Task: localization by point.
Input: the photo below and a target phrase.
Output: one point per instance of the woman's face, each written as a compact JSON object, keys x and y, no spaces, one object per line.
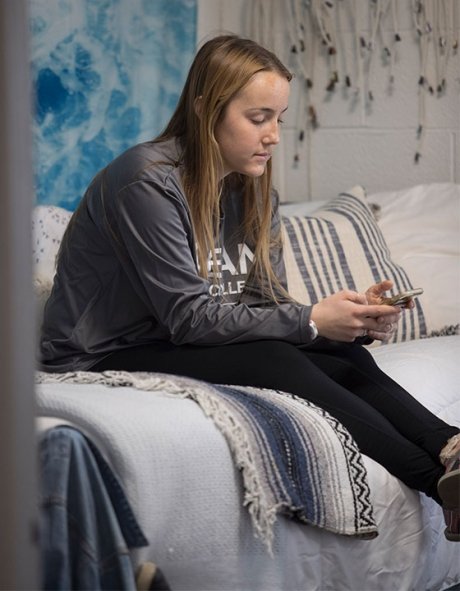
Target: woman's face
{"x":249,"y":129}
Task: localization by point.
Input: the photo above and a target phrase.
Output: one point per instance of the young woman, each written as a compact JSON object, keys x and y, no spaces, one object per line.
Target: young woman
{"x":173,"y":263}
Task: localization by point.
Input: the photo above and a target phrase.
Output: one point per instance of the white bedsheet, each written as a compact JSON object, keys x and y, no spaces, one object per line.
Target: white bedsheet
{"x":180,"y":479}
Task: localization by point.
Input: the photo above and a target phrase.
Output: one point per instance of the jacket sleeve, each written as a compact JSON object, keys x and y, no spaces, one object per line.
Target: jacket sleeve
{"x":158,"y":253}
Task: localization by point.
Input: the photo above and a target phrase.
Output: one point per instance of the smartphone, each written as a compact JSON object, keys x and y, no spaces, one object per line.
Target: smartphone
{"x":403,"y":297}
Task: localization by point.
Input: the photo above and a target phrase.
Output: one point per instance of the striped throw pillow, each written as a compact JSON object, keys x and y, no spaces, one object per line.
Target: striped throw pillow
{"x":341,"y":247}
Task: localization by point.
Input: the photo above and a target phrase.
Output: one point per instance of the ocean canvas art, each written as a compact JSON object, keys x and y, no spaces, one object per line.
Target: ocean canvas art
{"x":106,"y":74}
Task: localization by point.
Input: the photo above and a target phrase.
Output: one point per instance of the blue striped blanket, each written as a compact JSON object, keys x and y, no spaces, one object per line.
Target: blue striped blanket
{"x":295,"y":459}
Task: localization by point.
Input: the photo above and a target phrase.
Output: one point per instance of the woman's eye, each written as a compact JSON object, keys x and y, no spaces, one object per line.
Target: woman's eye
{"x":264,"y":120}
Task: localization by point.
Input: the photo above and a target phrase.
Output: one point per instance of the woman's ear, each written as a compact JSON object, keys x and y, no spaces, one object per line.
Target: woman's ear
{"x":198,"y":105}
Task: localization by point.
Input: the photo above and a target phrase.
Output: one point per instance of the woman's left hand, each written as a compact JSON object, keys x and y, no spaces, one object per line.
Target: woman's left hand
{"x":374,"y":295}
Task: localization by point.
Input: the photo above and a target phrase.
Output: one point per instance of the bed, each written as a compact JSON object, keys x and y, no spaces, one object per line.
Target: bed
{"x":175,"y":457}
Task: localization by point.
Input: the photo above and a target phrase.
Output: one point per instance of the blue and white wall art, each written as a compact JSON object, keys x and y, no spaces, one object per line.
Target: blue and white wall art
{"x":106,"y":75}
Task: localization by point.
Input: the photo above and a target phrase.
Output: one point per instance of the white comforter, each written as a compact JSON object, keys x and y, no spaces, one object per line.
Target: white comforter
{"x":180,"y":479}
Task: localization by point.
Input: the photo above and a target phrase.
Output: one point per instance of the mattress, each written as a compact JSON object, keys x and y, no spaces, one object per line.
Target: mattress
{"x":181,"y":481}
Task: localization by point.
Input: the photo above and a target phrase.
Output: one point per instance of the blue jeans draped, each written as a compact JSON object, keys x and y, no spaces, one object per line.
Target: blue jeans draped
{"x":86,"y":523}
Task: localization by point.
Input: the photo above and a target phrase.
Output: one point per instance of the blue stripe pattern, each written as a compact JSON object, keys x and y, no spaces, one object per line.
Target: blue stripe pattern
{"x":303,"y":476}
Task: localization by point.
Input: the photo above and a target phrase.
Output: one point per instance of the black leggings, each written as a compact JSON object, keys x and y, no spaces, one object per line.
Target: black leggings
{"x":387,"y":423}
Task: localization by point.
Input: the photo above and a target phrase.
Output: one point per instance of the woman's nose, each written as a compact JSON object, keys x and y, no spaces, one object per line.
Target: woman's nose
{"x":273,"y":134}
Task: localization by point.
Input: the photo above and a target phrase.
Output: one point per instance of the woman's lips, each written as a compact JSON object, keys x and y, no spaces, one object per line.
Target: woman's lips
{"x":263,"y":155}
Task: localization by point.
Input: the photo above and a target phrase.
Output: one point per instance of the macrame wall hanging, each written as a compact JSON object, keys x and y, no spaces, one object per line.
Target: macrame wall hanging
{"x":303,"y":32}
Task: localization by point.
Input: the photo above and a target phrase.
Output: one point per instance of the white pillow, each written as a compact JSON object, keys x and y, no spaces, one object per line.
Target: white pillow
{"x":48,"y":225}
{"x":340,"y":246}
{"x":301,"y":207}
{"x":421,"y":226}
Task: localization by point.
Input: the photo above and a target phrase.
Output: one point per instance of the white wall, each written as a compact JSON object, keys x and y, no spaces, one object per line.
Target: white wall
{"x":374,"y":147}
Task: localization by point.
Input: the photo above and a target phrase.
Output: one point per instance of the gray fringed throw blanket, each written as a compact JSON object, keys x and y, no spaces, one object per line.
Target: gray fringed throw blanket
{"x":295,"y":458}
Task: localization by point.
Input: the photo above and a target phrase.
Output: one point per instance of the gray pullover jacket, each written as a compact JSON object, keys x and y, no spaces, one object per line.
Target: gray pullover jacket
{"x":127,"y":274}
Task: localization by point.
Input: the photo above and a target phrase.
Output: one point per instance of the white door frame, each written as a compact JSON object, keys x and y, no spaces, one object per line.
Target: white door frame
{"x":18,"y":461}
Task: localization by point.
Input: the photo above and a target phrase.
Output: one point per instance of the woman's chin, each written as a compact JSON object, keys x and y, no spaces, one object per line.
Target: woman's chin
{"x":254,"y":171}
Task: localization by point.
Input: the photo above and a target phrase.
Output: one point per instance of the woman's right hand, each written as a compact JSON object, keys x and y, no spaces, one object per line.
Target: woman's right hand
{"x":347,"y":315}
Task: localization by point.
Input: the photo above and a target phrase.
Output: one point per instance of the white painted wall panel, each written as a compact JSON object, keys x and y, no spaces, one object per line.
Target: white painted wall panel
{"x":378,"y":159}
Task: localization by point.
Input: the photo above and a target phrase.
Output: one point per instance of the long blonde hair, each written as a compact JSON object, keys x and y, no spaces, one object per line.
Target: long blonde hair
{"x":221,"y":68}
